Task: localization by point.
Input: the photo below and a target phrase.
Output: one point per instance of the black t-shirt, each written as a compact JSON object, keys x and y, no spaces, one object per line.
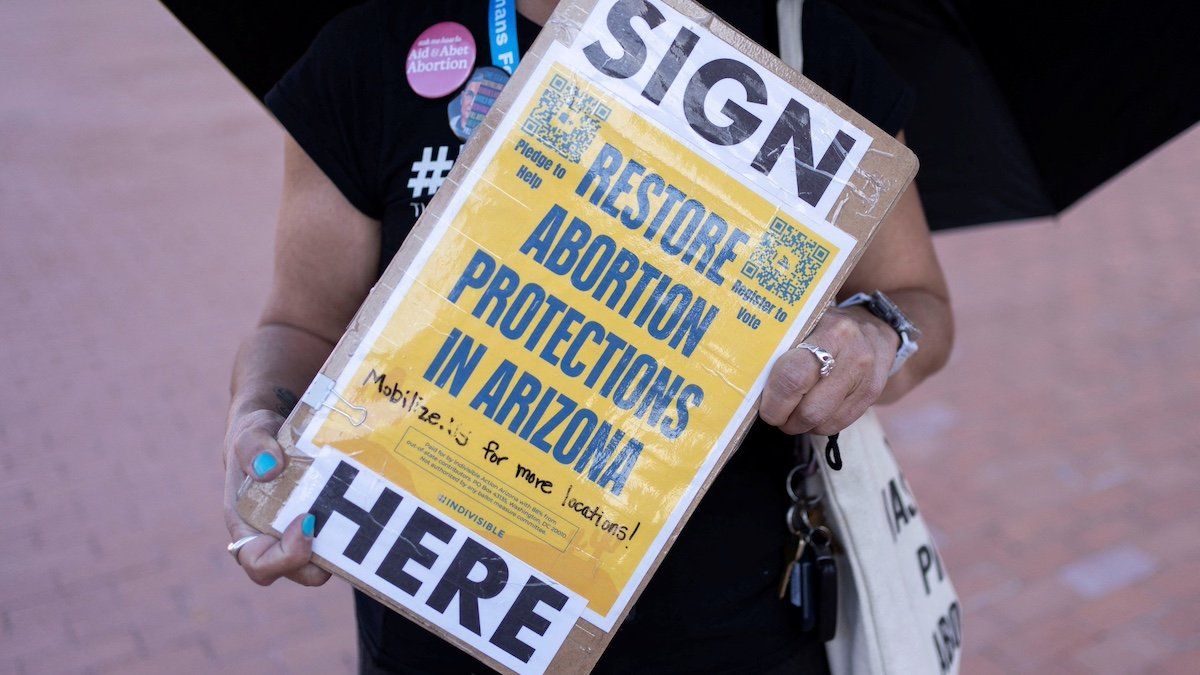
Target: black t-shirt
{"x":712,"y":606}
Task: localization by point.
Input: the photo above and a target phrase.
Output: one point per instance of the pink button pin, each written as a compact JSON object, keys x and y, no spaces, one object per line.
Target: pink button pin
{"x":440,"y":59}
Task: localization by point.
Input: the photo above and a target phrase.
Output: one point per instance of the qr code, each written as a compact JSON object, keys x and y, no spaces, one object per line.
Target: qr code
{"x":566,"y":118}
{"x":785,"y":262}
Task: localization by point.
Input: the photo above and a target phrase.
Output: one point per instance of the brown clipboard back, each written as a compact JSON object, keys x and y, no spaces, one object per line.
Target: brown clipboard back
{"x":864,"y":199}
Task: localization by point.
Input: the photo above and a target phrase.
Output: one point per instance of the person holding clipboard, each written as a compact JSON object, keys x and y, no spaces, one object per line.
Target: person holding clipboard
{"x":371,"y":137}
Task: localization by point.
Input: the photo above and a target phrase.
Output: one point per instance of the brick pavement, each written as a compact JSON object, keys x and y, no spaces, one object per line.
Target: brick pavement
{"x":138,"y":183}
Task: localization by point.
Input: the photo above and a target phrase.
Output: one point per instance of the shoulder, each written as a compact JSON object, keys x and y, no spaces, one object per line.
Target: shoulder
{"x":346,"y":49}
{"x":328,"y":101}
{"x":350,"y":36}
{"x":840,"y":59}
{"x":831,"y":30}
{"x":355,"y":18}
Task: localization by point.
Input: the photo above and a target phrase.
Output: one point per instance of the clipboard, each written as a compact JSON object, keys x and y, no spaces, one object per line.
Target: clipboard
{"x":640,"y":145}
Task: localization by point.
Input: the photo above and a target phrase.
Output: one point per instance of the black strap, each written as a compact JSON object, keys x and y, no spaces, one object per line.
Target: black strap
{"x":833,"y":454}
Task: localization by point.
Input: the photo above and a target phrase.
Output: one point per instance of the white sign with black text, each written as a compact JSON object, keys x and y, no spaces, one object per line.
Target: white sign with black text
{"x":390,"y":541}
{"x":707,"y":92}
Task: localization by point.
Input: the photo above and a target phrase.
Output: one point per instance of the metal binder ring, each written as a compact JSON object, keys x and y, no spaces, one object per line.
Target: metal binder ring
{"x":820,"y":536}
{"x":800,"y":471}
{"x":803,"y":525}
{"x":791,"y":484}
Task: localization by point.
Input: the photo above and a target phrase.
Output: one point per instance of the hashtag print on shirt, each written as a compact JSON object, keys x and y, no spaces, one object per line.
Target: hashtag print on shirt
{"x":429,"y":172}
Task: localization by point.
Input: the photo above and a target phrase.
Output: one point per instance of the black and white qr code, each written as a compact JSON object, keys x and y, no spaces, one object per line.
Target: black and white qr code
{"x":566,"y":118}
{"x":785,"y":262}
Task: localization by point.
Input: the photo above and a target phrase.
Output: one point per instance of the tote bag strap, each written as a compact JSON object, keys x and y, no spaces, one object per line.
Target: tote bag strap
{"x":791,"y":42}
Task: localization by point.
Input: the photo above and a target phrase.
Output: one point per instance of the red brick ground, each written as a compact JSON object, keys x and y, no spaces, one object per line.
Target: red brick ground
{"x":1055,"y":457}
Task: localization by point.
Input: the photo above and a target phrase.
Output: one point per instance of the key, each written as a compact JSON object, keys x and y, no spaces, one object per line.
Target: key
{"x":806,"y":598}
{"x":825,"y":584}
{"x":799,"y":585}
{"x":825,"y":580}
{"x":790,"y":570}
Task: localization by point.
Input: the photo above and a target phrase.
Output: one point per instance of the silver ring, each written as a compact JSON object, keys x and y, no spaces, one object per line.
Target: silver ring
{"x":826,"y":359}
{"x":236,"y":546}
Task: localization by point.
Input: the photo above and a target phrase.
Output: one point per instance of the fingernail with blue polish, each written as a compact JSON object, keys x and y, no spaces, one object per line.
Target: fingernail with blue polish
{"x":263,"y":463}
{"x":309,"y":525}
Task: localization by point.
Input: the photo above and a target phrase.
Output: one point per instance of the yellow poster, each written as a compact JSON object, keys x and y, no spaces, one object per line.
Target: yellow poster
{"x":572,"y":349}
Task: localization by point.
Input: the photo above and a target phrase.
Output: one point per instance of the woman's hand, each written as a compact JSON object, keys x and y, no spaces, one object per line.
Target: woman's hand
{"x":902,"y":263}
{"x":326,"y":255}
{"x":798,"y":400}
{"x":251,"y":450}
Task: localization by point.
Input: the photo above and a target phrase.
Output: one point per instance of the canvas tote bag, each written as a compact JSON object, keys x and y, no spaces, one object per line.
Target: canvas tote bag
{"x":897,"y":609}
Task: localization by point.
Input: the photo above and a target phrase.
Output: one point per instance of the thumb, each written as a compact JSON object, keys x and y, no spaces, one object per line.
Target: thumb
{"x":259,"y":454}
{"x":266,"y":558}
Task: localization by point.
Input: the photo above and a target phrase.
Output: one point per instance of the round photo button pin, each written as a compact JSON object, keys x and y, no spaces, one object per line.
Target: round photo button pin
{"x":440,"y":59}
{"x":468,"y":109}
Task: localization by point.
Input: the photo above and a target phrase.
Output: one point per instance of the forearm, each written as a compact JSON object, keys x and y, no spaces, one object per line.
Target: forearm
{"x":326,"y":252}
{"x":275,"y":358}
{"x":902,"y":263}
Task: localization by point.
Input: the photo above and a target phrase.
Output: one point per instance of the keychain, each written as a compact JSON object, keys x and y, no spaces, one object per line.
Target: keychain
{"x":809,"y":580}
